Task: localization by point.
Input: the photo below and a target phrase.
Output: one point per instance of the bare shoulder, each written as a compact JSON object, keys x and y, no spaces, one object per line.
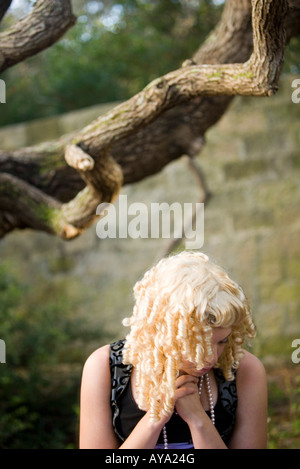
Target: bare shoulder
{"x":96,"y":366}
{"x":98,"y":357}
{"x":250,"y":367}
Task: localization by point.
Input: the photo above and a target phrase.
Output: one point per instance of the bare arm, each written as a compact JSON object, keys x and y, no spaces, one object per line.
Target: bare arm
{"x":96,"y":429}
{"x":250,"y":430}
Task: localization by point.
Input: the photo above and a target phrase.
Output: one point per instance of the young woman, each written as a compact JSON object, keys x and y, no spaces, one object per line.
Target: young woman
{"x":181,"y":378}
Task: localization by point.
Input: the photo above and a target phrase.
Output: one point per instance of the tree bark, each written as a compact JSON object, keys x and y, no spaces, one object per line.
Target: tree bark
{"x":4,"y":6}
{"x":161,"y":123}
{"x":47,"y":22}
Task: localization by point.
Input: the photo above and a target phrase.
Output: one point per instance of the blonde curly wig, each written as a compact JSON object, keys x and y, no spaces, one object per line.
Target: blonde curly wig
{"x":177,"y":304}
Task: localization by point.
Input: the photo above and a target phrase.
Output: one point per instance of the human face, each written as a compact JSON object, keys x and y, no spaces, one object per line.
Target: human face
{"x":219,"y":340}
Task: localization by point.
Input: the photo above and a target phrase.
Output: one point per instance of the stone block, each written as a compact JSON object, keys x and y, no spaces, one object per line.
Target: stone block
{"x":42,"y":130}
{"x":287,"y":292}
{"x":76,"y":120}
{"x":276,"y":193}
{"x":292,"y":269}
{"x":252,"y":220}
{"x":13,"y":137}
{"x":244,"y":169}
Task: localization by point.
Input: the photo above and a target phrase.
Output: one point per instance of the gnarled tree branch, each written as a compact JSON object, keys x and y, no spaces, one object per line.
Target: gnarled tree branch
{"x":43,"y":26}
{"x":99,"y":147}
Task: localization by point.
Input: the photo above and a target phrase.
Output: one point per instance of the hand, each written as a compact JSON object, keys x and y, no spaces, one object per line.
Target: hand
{"x":187,"y":400}
{"x":186,"y":385}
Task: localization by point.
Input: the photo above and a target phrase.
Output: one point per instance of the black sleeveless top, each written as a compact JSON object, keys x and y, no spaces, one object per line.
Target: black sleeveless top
{"x":126,"y":413}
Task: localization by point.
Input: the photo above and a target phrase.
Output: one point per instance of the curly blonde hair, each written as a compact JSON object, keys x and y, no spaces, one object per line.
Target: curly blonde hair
{"x":177,"y":304}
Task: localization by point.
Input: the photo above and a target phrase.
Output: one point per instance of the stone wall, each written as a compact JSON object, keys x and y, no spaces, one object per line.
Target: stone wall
{"x":42,"y":130}
{"x":252,"y":222}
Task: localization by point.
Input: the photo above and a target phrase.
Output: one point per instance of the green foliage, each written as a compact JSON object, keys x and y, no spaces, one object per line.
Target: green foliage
{"x":292,"y":54}
{"x":45,"y":349}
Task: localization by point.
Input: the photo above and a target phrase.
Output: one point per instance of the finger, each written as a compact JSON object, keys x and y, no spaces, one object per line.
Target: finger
{"x":184,"y":379}
{"x":184,"y":391}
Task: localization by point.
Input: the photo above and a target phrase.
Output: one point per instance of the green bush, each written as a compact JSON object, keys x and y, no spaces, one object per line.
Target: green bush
{"x":284,"y":411}
{"x":40,"y":381}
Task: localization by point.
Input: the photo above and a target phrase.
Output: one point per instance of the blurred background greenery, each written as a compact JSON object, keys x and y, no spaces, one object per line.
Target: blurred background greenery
{"x":56,"y":305}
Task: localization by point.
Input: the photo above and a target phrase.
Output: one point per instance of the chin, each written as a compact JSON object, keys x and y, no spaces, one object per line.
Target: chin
{"x":201,"y":372}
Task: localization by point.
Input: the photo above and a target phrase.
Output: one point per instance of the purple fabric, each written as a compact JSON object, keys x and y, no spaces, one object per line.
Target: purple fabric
{"x":175,"y":446}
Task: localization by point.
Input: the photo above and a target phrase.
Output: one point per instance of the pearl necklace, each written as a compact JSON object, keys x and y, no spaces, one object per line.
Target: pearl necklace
{"x":211,"y":405}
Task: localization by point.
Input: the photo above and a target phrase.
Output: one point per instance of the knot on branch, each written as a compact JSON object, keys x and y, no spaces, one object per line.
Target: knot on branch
{"x":158,"y":83}
{"x":78,"y":159}
{"x":103,"y":177}
{"x":101,"y":172}
{"x":188,"y":63}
